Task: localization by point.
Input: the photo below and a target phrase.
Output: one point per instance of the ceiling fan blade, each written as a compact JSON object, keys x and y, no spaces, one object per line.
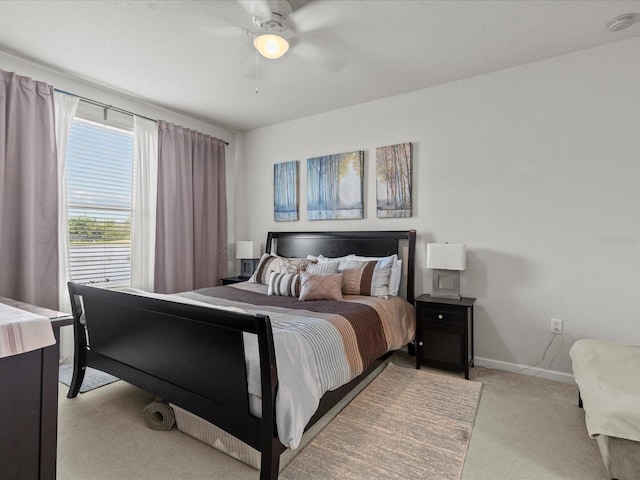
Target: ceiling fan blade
{"x":230,"y":31}
{"x":319,"y":15}
{"x":330,"y":59}
{"x":255,"y":8}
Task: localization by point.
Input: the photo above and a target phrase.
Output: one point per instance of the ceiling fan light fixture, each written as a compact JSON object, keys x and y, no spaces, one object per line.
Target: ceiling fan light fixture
{"x":270,"y":45}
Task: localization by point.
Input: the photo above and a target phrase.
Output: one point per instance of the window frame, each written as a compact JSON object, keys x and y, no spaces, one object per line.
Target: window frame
{"x":120,"y":124}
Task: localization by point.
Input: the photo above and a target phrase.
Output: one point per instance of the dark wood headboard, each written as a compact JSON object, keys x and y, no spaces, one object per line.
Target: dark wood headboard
{"x":340,"y":243}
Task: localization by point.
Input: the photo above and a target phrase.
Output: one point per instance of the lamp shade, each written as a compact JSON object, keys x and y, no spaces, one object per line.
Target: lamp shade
{"x":247,"y":249}
{"x":270,"y":45}
{"x":447,"y":256}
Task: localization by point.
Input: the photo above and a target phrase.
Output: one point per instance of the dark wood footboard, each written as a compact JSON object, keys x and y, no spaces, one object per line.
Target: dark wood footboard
{"x":189,"y":355}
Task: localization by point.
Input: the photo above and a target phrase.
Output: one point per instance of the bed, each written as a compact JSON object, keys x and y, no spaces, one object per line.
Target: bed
{"x":607,"y":378}
{"x":213,"y":352}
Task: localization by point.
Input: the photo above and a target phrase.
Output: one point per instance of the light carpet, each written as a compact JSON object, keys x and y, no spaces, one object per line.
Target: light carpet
{"x":406,"y":424}
{"x":92,"y":378}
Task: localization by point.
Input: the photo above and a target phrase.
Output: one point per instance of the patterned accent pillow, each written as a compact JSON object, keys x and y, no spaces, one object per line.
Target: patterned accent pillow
{"x":396,"y":271}
{"x":320,"y":287}
{"x":323,"y":268}
{"x":367,"y":278}
{"x":274,"y":263}
{"x":284,"y":284}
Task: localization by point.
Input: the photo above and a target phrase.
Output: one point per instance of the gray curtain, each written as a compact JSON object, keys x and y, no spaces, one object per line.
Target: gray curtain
{"x":191,"y":227}
{"x":28,"y":192}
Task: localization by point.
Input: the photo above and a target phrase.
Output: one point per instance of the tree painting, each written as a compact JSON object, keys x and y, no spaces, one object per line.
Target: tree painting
{"x":285,"y":191}
{"x":334,"y":186}
{"x":393,"y":181}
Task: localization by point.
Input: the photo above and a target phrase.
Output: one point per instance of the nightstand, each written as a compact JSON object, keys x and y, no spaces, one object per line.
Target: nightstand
{"x":230,"y":280}
{"x":444,"y":333}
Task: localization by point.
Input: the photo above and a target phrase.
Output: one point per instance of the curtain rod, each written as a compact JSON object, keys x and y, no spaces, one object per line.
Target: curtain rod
{"x":111,"y":107}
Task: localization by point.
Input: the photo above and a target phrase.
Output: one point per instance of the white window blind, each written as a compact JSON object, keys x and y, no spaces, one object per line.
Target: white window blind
{"x":99,"y":172}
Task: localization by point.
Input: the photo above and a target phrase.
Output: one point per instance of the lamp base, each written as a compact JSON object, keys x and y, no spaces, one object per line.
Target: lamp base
{"x":248,"y":266}
{"x":446,"y":284}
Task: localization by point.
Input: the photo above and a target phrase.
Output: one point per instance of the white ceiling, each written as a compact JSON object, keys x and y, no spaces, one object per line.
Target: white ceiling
{"x":192,"y":57}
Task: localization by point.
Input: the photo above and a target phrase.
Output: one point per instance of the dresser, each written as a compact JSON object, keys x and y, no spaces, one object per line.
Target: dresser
{"x":29,"y":404}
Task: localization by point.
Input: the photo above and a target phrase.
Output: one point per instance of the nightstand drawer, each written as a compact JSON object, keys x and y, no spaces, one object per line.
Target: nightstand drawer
{"x":444,"y":317}
{"x":424,"y":328}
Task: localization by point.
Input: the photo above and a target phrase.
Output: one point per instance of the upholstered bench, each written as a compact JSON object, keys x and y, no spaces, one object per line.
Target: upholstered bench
{"x":608,"y":376}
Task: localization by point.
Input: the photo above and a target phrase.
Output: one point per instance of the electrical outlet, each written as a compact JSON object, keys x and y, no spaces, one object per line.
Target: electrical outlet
{"x":556,"y":326}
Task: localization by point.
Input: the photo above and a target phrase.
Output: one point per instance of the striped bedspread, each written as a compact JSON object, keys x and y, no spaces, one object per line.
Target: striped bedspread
{"x":22,"y":331}
{"x":320,"y":345}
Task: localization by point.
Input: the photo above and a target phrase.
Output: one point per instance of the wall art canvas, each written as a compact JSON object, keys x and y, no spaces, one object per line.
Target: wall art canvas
{"x":285,"y":191}
{"x":334,"y":186}
{"x":393,"y":181}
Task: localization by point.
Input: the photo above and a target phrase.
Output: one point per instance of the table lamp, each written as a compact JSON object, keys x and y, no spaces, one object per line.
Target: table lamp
{"x":249,"y":254}
{"x":446,"y":260}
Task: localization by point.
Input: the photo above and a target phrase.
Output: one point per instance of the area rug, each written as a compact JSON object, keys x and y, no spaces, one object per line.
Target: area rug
{"x":92,"y":378}
{"x":407,"y":424}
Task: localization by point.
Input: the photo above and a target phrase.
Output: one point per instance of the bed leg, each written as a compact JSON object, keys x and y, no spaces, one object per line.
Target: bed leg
{"x":79,"y":344}
{"x":579,"y":400}
{"x":270,"y":462}
{"x":79,"y":364}
{"x":76,"y":380}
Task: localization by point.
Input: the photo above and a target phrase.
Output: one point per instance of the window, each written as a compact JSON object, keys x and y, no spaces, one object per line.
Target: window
{"x":99,"y":172}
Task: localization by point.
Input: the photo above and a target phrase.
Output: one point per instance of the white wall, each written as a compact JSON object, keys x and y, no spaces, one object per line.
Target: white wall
{"x":535,"y":168}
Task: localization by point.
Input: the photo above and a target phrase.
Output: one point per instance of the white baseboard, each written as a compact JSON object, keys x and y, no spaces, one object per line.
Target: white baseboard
{"x":524,"y":369}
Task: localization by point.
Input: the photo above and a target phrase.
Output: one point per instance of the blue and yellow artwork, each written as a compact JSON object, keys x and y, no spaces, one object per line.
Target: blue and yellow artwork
{"x":285,"y":191}
{"x":393,"y":181}
{"x":334,"y":186}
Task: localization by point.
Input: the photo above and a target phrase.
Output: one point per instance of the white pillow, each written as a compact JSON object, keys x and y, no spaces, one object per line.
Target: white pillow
{"x":396,"y":278}
{"x":324,"y":268}
{"x":343,"y":260}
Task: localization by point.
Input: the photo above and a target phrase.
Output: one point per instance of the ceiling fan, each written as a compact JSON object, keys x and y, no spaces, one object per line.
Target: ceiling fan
{"x":274,"y":29}
{"x":280,"y":25}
